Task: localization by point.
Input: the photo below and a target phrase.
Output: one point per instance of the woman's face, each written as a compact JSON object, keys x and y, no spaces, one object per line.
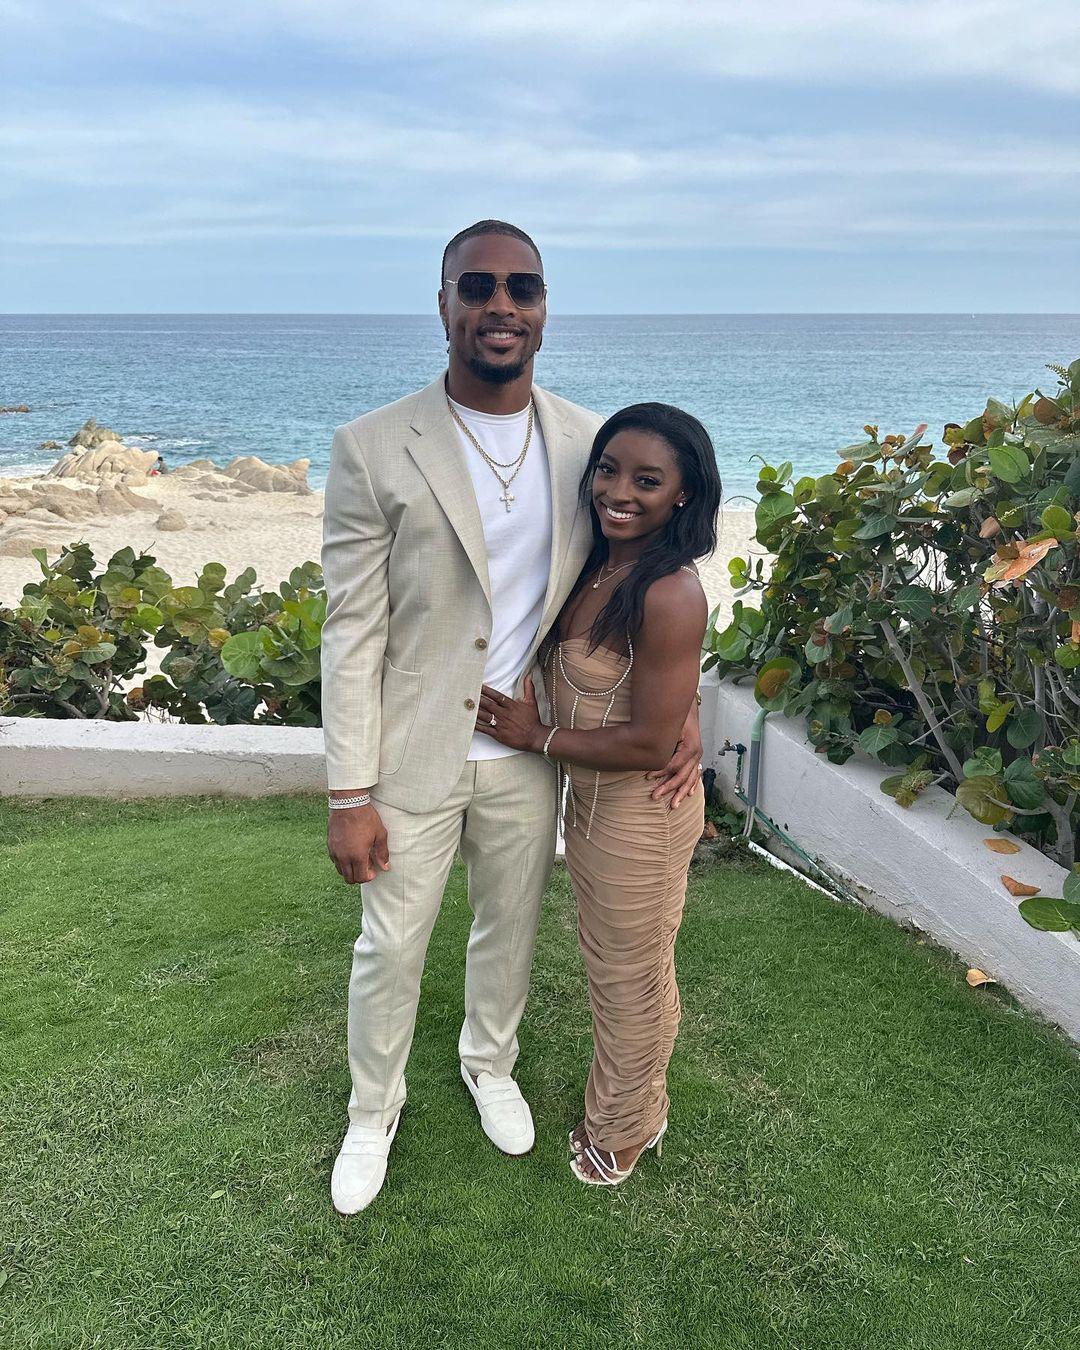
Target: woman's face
{"x":636,"y":486}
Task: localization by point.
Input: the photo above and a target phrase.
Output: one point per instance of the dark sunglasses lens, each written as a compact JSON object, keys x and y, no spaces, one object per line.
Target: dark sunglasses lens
{"x":476,"y":288}
{"x":526,"y":288}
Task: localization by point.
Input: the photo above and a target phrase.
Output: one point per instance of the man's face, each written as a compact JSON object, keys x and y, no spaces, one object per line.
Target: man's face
{"x":497,"y":340}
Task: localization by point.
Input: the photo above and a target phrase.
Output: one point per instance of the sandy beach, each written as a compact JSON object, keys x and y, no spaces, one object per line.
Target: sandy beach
{"x":270,"y":531}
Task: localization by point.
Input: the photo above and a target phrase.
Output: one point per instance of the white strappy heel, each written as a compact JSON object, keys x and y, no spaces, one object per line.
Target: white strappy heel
{"x":605,"y":1164}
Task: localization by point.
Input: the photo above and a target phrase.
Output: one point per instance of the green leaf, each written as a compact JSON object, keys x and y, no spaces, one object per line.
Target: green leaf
{"x":1025,"y":728}
{"x":1009,"y":463}
{"x":974,"y":795}
{"x":998,"y":413}
{"x":1071,"y":889}
{"x":804,"y":490}
{"x":973,"y":431}
{"x":875,"y":739}
{"x":984,"y":763}
{"x":776,"y":679}
{"x":1025,"y":789}
{"x":841,"y":619}
{"x":241,"y":656}
{"x":997,"y":717}
{"x":771,"y":510}
{"x":876,"y":524}
{"x":965,"y":597}
{"x":1049,"y":914}
{"x":1058,"y":521}
{"x":915,"y":602}
{"x":815,"y":652}
{"x":1068,"y":655}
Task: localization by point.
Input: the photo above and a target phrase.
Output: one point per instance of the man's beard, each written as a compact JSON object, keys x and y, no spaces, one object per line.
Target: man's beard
{"x":492,"y":374}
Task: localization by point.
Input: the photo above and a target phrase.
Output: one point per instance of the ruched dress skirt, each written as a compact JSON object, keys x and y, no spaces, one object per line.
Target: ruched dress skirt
{"x":628,"y":858}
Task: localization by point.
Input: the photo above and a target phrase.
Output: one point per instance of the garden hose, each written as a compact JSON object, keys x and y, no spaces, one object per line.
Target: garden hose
{"x":754,"y":814}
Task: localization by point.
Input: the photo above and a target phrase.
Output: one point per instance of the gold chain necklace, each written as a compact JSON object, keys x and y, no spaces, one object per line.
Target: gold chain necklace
{"x":506,"y":496}
{"x":601,"y":578}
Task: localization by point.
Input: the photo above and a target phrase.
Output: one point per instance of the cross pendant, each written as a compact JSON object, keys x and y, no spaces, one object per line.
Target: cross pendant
{"x":507,"y":497}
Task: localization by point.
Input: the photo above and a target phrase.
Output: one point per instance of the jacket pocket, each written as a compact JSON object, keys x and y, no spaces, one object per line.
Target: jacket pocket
{"x":400,"y":700}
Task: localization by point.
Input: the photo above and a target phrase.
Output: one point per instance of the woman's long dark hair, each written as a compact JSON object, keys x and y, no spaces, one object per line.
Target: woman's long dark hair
{"x":691,"y":532}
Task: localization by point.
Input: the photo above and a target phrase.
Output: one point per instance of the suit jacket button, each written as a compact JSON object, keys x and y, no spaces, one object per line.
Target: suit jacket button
{"x":470,"y":704}
{"x":481,"y":643}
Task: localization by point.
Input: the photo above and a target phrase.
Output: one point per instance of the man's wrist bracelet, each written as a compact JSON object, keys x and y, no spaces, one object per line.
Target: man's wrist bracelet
{"x":551,"y":733}
{"x":346,"y":803}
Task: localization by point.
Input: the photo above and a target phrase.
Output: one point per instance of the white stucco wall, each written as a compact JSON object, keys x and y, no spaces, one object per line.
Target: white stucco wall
{"x":924,"y":865}
{"x":46,"y":757}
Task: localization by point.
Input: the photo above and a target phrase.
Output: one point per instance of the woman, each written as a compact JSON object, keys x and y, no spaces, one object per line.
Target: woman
{"x":621,"y":669}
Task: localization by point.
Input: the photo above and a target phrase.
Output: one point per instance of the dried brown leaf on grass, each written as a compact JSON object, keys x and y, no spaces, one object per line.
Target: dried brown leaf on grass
{"x":976,"y":978}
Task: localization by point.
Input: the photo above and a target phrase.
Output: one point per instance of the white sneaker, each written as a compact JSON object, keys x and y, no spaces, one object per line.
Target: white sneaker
{"x":360,"y":1167}
{"x":504,"y":1112}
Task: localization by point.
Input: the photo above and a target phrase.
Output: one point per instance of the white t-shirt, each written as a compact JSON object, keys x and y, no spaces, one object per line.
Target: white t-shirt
{"x":518,"y":544}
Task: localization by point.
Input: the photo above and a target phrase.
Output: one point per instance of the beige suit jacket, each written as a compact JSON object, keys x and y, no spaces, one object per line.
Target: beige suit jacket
{"x":408,"y":613}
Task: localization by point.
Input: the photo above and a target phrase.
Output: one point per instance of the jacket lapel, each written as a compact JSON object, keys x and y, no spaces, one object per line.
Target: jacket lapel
{"x":437,"y":453}
{"x":565,"y":463}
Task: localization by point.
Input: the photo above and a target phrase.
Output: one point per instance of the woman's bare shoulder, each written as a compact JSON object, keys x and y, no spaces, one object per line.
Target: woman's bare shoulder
{"x":677,"y":598}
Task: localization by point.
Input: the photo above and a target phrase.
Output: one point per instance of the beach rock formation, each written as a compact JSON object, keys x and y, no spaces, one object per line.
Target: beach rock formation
{"x":255,"y":473}
{"x":96,"y":480}
{"x":104,"y":462}
{"x":90,"y":435}
{"x":16,"y":408}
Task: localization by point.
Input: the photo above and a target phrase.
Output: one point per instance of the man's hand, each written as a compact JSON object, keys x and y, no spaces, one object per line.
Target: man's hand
{"x":681,"y":776}
{"x":356,"y":841}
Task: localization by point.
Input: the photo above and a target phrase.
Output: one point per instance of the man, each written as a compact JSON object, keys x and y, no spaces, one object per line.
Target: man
{"x":452,"y":537}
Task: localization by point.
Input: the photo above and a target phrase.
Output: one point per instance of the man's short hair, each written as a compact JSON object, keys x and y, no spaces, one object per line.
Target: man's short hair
{"x":486,"y":227}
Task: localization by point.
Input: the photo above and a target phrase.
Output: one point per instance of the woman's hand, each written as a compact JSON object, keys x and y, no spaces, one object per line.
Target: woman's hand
{"x":510,"y":721}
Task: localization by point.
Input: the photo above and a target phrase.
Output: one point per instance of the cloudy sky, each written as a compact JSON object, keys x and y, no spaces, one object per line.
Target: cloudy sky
{"x":314,"y":155}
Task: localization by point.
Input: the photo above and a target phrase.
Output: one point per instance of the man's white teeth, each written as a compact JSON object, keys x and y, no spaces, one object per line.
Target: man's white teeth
{"x":501,"y":336}
{"x":620,"y":515}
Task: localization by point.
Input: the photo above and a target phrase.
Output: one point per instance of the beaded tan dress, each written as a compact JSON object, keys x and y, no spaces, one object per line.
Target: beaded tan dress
{"x":628,"y":858}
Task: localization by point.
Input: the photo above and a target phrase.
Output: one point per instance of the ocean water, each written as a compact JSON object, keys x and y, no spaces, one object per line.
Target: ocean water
{"x":778,"y":386}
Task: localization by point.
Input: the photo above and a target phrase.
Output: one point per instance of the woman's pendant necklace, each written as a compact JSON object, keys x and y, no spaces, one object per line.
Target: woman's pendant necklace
{"x":601,"y":578}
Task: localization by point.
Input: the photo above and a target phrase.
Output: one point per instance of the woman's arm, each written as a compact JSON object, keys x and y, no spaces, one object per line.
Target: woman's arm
{"x":667,"y":657}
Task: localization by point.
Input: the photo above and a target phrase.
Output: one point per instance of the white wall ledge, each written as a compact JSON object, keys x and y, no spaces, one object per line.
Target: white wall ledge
{"x":51,"y":757}
{"x":925,"y":865}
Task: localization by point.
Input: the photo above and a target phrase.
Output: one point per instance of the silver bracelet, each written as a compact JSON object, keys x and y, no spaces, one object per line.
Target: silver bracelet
{"x":346,"y":803}
{"x":551,"y":733}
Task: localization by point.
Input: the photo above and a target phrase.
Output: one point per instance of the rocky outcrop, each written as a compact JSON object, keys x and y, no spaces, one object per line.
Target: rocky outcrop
{"x":100,"y":477}
{"x":263,"y":477}
{"x":90,"y":435}
{"x":16,"y":408}
{"x":48,"y":502}
{"x":104,"y":462}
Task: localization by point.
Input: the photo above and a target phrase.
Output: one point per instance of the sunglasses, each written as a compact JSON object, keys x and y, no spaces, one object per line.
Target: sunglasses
{"x":475,"y":289}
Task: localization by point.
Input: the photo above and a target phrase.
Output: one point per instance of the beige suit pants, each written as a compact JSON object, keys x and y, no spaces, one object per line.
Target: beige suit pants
{"x":501,"y":815}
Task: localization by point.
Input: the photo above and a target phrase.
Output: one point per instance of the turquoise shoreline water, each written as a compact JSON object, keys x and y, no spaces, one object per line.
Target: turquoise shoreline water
{"x":780,"y":386}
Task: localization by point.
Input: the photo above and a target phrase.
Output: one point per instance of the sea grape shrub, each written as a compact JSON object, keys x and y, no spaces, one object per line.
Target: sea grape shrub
{"x":233,"y":654}
{"x":75,"y":638}
{"x":925,"y":608}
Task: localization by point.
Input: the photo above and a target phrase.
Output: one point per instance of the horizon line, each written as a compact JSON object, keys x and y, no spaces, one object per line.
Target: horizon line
{"x":568,"y":314}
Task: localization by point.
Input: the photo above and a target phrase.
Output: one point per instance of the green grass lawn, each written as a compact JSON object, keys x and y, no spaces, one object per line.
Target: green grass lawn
{"x":863,"y":1151}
